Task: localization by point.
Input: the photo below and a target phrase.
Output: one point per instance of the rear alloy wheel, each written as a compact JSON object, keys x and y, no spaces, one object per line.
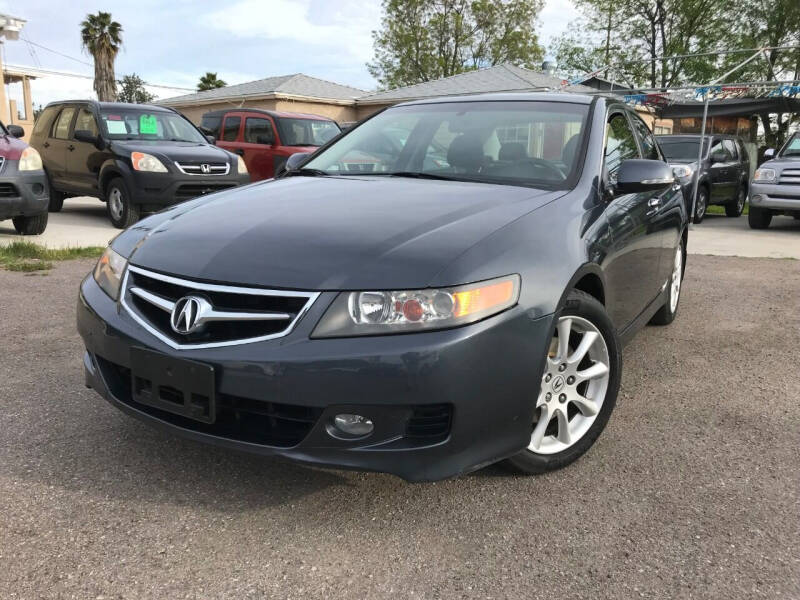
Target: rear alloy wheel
{"x":34,"y":225}
{"x":701,"y":204}
{"x":121,"y":212}
{"x":759,"y":218}
{"x":666,"y":314}
{"x":579,"y":387}
{"x":734,"y":209}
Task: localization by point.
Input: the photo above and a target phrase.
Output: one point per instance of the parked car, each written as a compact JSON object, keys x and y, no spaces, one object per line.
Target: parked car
{"x":137,"y":158}
{"x":265,"y":139}
{"x":421,"y":319}
{"x":23,"y":185}
{"x":775,"y":188}
{"x":723,"y":172}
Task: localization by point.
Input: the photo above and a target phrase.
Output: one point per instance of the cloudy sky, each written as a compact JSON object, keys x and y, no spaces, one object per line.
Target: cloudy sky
{"x":173,"y":43}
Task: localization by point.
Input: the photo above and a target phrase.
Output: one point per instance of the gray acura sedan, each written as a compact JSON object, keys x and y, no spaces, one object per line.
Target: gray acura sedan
{"x":445,"y":286}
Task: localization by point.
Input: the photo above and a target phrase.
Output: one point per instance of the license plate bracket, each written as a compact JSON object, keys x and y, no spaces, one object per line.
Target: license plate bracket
{"x":182,"y":387}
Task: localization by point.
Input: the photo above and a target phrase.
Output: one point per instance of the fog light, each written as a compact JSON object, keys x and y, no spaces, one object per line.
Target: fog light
{"x":38,"y":189}
{"x":756,"y":198}
{"x":351,"y":426}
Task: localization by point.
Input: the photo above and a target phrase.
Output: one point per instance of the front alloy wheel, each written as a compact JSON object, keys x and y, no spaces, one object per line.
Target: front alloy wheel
{"x":701,"y":204}
{"x":578,"y":389}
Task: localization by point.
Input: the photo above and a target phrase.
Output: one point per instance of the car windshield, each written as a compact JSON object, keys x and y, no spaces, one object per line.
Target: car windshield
{"x":792,"y":147}
{"x":148,"y":126}
{"x":681,"y":149}
{"x":306,"y":132}
{"x":519,"y":143}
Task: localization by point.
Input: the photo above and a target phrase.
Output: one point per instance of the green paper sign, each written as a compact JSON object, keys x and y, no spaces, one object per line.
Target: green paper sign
{"x":148,"y":124}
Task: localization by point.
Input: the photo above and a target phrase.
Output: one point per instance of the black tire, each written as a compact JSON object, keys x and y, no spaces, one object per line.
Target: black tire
{"x":701,"y":204}
{"x":666,"y":314}
{"x":735,"y":208}
{"x":759,"y":218}
{"x":34,"y":225}
{"x":121,"y":212}
{"x":56,"y":200}
{"x":579,"y":304}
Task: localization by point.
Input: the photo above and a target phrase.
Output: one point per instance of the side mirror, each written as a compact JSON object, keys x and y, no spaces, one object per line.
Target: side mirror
{"x":641,"y":175}
{"x":769,"y":153}
{"x":295,"y":161}
{"x":16,"y":131}
{"x":82,"y":135}
{"x":211,"y":139}
{"x":718,"y":156}
{"x":266,"y":139}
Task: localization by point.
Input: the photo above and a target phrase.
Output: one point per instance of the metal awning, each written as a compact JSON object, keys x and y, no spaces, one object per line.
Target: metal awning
{"x":730,"y":107}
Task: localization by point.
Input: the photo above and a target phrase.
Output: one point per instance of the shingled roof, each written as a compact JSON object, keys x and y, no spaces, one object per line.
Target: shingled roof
{"x":500,"y":78}
{"x":297,"y":85}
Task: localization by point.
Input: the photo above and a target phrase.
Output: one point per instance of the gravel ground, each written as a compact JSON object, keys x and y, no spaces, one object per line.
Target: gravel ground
{"x":693,"y":491}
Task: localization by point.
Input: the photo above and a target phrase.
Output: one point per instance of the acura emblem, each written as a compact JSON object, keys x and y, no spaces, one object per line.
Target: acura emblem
{"x":188,"y":314}
{"x":205,"y":169}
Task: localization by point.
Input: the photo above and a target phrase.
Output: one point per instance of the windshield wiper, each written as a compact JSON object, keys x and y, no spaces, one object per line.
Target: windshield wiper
{"x":307,"y":172}
{"x":419,"y":175}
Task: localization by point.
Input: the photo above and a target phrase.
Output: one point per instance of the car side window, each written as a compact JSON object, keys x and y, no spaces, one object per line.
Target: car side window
{"x":257,"y":130}
{"x":86,"y":121}
{"x":730,"y":149}
{"x":620,"y":145}
{"x":716,"y":147}
{"x":649,"y":146}
{"x":230,"y":129}
{"x":45,"y":120}
{"x":61,"y":128}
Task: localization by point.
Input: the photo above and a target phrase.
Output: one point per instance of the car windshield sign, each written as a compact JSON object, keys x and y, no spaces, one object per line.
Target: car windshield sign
{"x":148,"y":126}
{"x":517,"y":143}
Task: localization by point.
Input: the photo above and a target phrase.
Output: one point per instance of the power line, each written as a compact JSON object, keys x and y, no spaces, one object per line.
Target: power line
{"x":57,"y":52}
{"x":43,"y":71}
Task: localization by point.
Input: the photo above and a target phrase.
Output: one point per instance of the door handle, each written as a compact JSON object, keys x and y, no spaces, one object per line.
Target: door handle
{"x":46,"y":144}
{"x":239,"y":151}
{"x":654,"y":202}
{"x":70,"y":147}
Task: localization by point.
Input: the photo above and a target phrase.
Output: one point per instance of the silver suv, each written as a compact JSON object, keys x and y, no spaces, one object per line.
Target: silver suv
{"x":775,"y":188}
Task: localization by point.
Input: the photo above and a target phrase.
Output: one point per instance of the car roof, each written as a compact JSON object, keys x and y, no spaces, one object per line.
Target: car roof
{"x":271,"y":113}
{"x":566,"y":97}
{"x":114,"y":105}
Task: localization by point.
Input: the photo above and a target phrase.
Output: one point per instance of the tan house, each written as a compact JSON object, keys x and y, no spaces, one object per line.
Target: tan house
{"x":11,"y":112}
{"x":301,"y":93}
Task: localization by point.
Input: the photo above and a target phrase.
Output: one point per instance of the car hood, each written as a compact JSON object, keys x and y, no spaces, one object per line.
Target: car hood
{"x":327,"y":233}
{"x":11,"y":147}
{"x":174,"y":151}
{"x":782,"y":162}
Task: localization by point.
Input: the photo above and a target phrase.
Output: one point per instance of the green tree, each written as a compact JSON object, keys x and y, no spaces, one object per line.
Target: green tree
{"x":634,"y":35}
{"x":423,"y":40}
{"x":132,"y":90}
{"x":102,"y":37}
{"x":209,"y":81}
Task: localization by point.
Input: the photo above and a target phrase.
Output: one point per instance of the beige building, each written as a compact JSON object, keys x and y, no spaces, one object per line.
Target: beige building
{"x":12,"y":112}
{"x":301,"y":93}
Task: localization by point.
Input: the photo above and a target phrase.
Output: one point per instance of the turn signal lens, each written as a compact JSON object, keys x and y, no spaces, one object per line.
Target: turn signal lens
{"x":377,"y":313}
{"x":147,"y":163}
{"x":483,"y":298}
{"x":241,"y":167}
{"x":108,"y":272}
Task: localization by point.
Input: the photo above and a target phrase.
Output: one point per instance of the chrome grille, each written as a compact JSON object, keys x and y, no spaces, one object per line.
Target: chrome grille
{"x":217,"y":315}
{"x":203,"y":168}
{"x":790,"y":177}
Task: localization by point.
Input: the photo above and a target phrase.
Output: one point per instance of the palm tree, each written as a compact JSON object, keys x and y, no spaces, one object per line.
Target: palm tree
{"x":209,"y":81}
{"x":102,"y":38}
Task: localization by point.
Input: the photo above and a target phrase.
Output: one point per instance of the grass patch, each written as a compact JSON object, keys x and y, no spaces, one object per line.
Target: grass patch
{"x":28,"y":257}
{"x":715,"y":209}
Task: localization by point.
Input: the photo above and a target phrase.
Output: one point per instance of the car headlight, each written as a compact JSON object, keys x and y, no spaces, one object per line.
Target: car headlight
{"x":386,"y":312}
{"x":30,"y":160}
{"x":242,"y":168}
{"x":764,"y":175}
{"x":682,"y":171}
{"x":108,"y":272}
{"x":147,"y":163}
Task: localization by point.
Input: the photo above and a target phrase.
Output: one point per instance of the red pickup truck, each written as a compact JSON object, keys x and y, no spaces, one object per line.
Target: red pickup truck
{"x":267,"y":138}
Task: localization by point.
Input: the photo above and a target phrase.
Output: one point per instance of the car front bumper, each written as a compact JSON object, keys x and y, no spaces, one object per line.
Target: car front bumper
{"x":484,"y":377}
{"x":775,"y":196}
{"x":22,"y":193}
{"x":155,"y":191}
